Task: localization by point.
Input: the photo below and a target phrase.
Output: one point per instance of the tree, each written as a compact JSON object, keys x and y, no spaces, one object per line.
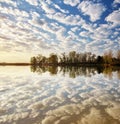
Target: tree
{"x":84,"y":57}
{"x":44,"y":60}
{"x":53,"y":59}
{"x":33,"y":61}
{"x":63,"y":59}
{"x":108,"y":57}
{"x":117,"y":60}
{"x":93,"y":58}
{"x":100,"y":59}
{"x":118,"y":54}
{"x":39,"y":59}
{"x":72,"y":56}
{"x":88,"y":56}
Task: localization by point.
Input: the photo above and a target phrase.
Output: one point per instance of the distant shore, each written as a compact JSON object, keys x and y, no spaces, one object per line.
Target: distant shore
{"x":14,"y":64}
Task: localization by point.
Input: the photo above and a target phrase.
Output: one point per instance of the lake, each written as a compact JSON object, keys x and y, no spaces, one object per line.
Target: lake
{"x":54,"y":95}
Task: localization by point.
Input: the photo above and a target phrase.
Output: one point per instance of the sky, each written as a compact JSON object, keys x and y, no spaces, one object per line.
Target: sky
{"x":31,"y":27}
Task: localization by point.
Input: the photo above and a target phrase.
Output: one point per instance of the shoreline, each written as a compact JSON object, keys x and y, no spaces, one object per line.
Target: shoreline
{"x":15,"y":64}
{"x":62,"y":65}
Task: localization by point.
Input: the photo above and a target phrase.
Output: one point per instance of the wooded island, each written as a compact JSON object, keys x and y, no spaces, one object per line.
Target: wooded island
{"x":76,"y":59}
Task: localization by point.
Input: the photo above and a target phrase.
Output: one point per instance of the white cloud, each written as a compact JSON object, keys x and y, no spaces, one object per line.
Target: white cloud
{"x":116,"y":1}
{"x":46,"y":7}
{"x":10,"y":2}
{"x":84,"y":33}
{"x":74,"y":29}
{"x":99,"y":46}
{"x":114,"y":18}
{"x":59,"y":8}
{"x":102,"y":32}
{"x":18,"y":30}
{"x":49,"y":27}
{"x":73,"y":35}
{"x":36,"y":20}
{"x":33,"y":2}
{"x":60,"y":34}
{"x":71,"y":2}
{"x":94,"y":10}
{"x":71,"y":20}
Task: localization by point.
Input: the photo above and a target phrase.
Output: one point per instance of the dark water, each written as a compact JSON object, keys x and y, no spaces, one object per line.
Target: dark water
{"x":54,"y":95}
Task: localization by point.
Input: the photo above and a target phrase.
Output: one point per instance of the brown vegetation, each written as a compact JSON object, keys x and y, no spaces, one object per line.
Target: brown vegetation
{"x":73,"y":58}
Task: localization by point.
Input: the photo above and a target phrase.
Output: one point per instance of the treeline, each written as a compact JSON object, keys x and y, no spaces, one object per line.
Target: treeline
{"x":74,"y":58}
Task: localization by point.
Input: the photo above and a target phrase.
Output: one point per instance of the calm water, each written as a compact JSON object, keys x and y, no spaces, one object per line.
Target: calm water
{"x":59,"y":95}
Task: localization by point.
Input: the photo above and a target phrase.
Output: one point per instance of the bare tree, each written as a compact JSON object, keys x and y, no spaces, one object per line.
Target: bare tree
{"x":118,"y":54}
{"x":108,"y":57}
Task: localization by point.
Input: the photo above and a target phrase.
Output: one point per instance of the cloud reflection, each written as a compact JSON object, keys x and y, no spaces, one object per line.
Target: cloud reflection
{"x":29,"y":98}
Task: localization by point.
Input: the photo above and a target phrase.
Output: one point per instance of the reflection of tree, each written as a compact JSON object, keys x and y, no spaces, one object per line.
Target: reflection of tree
{"x":74,"y":71}
{"x":33,"y":68}
{"x":53,"y":70}
{"x":108,"y":72}
{"x":42,"y":69}
{"x":118,"y":74}
{"x":77,"y":71}
{"x":70,"y":70}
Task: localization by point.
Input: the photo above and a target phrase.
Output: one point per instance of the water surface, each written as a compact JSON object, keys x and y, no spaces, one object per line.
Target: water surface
{"x":59,"y":95}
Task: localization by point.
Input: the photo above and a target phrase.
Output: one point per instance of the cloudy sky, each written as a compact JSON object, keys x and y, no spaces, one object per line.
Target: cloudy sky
{"x":30,"y":27}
